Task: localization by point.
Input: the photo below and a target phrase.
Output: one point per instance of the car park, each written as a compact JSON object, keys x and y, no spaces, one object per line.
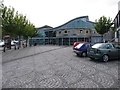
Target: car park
{"x":81,"y":49}
{"x":104,"y":51}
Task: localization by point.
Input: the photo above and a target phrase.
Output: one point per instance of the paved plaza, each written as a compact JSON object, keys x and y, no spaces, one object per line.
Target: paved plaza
{"x":55,"y":67}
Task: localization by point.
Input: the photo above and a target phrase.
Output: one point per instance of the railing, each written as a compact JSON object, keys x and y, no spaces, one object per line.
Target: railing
{"x":112,"y":40}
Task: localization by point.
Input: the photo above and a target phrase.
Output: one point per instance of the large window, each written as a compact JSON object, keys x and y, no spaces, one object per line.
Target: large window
{"x":41,"y":33}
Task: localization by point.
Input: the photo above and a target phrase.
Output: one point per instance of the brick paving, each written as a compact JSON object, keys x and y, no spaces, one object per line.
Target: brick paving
{"x":55,"y":67}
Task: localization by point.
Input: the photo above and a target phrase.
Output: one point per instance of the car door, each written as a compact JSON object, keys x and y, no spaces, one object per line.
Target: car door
{"x":111,"y":51}
{"x":117,"y":50}
{"x":119,"y":53}
{"x":87,"y":45}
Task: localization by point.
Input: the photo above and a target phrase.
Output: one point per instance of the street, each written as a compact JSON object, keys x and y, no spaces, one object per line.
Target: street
{"x":55,"y":67}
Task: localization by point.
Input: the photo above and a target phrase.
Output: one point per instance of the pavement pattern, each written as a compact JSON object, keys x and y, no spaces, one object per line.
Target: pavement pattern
{"x":56,"y":67}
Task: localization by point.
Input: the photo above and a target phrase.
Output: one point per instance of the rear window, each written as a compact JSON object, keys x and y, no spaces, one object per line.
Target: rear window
{"x":79,"y":45}
{"x":99,"y":45}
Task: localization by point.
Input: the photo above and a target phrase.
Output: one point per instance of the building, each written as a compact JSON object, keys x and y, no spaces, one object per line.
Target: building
{"x":109,"y":36}
{"x":41,"y":40}
{"x":75,"y":30}
{"x":41,"y":30}
{"x":117,"y":25}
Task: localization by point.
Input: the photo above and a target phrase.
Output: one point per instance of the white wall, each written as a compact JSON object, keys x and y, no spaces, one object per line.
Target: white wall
{"x":118,"y":5}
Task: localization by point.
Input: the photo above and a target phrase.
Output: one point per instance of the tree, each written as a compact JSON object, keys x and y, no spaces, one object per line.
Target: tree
{"x":1,"y":6}
{"x":103,"y":25}
{"x":15,"y":24}
{"x":30,"y":31}
{"x":8,"y":22}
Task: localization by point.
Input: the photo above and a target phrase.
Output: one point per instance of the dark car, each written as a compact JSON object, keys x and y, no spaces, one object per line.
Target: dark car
{"x":81,"y":49}
{"x":104,"y":51}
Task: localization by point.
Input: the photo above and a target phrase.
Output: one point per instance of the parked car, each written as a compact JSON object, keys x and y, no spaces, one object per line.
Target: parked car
{"x":13,"y":43}
{"x":81,"y":49}
{"x":104,"y":51}
{"x":76,"y":43}
{"x":2,"y":43}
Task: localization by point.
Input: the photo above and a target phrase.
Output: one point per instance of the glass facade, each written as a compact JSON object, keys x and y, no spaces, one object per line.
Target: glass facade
{"x":41,"y":33}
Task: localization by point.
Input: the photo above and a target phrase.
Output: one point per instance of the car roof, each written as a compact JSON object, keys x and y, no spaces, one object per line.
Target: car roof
{"x":81,"y":42}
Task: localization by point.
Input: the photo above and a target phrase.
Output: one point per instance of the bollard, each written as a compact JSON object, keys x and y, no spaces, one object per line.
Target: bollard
{"x":15,"y":47}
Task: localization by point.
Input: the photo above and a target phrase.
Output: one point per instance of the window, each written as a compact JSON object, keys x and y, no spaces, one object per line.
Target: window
{"x":81,"y":31}
{"x":59,"y":32}
{"x":94,"y":32}
{"x":108,"y":46}
{"x":87,"y":45}
{"x":74,"y":34}
{"x":65,"y":31}
{"x":86,"y":31}
{"x":117,"y":46}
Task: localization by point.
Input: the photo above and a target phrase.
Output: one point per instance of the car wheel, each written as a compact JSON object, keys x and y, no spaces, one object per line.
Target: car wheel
{"x":84,"y":54}
{"x":77,"y":54}
{"x":105,"y":58}
{"x":92,"y":58}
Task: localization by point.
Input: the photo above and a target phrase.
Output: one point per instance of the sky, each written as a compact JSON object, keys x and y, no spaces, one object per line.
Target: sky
{"x":57,"y":12}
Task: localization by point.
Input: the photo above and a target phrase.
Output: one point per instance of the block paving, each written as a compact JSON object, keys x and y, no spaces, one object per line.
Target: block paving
{"x":56,"y":67}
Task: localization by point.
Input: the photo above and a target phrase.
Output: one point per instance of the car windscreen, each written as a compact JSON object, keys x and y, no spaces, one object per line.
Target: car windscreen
{"x":116,"y":46}
{"x":79,"y":45}
{"x":98,"y":45}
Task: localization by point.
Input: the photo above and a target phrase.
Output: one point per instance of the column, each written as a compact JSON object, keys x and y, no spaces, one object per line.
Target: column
{"x":62,"y":41}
